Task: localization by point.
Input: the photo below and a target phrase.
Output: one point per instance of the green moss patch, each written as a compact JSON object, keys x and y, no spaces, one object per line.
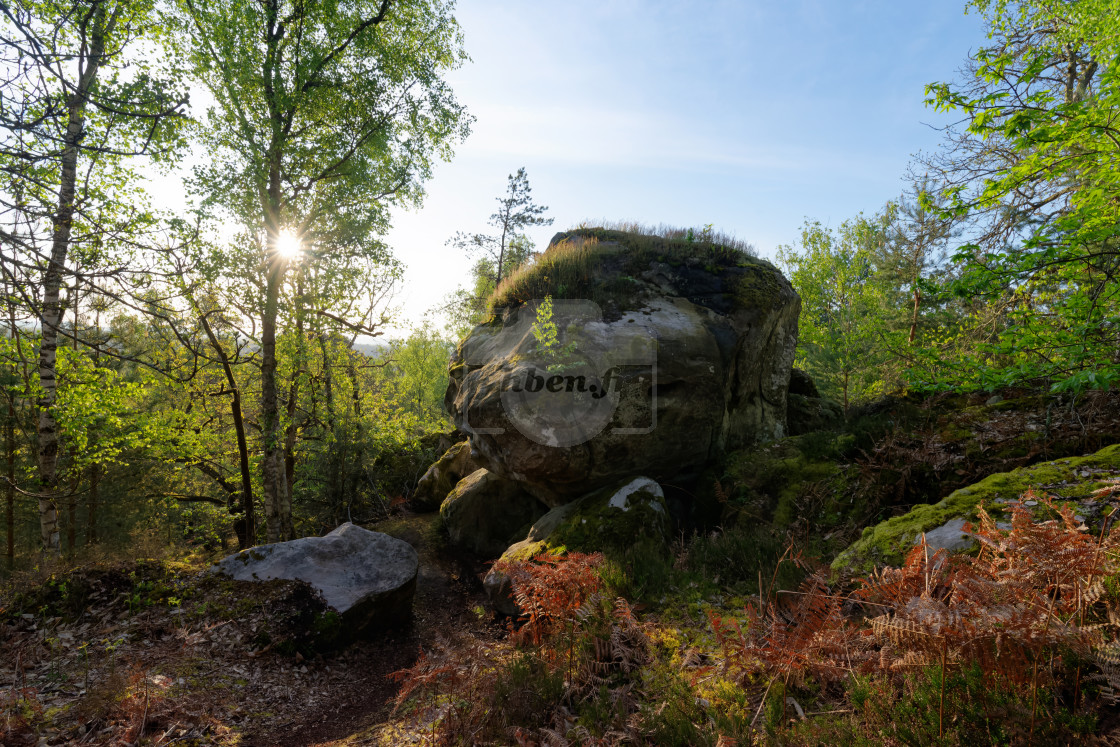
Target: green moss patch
{"x":1073,"y":479}
{"x":772,"y":481}
{"x":758,"y":287}
{"x":595,"y":525}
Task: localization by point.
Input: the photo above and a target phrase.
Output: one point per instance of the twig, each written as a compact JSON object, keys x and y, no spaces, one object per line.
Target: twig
{"x":762,"y":702}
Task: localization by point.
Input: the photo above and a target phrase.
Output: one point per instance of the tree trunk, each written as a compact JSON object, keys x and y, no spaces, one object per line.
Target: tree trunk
{"x":914,"y":318}
{"x":291,"y":432}
{"x":247,"y":536}
{"x":334,"y":468}
{"x":356,"y":394}
{"x":92,"y":504}
{"x":501,"y":256}
{"x":94,"y":469}
{"x":10,"y":440}
{"x":72,"y":498}
{"x":10,"y":488}
{"x":51,"y":312}
{"x":277,"y":503}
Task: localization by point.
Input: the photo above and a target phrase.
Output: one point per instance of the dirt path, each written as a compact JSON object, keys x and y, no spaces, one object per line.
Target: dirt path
{"x":449,"y":597}
{"x":135,"y":653}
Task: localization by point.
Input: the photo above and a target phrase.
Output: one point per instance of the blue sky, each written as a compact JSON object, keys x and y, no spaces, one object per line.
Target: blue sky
{"x":749,"y":115}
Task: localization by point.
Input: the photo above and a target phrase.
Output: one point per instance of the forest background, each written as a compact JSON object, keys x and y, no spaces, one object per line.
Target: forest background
{"x":216,"y":372}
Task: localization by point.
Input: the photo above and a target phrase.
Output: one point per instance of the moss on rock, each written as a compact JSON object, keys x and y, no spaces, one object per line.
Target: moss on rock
{"x":758,"y":287}
{"x":595,"y":524}
{"x":772,"y":479}
{"x":1072,"y":479}
{"x":605,"y":265}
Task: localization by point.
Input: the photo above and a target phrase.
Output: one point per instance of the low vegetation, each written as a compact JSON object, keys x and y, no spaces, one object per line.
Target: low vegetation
{"x":1013,"y":644}
{"x":574,"y":265}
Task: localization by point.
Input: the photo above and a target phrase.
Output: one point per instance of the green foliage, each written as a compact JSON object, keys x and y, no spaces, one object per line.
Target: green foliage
{"x":544,"y":327}
{"x":417,"y":367}
{"x":96,"y":411}
{"x":1033,"y":170}
{"x":843,"y":306}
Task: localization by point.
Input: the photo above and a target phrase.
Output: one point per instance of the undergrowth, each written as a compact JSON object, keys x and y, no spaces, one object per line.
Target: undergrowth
{"x":571,"y":650}
{"x":1013,"y":645}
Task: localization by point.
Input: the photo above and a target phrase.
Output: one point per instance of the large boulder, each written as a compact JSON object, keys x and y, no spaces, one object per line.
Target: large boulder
{"x":612,"y":519}
{"x":367,"y":577}
{"x":659,"y":365}
{"x":441,"y":478}
{"x":485,"y":513}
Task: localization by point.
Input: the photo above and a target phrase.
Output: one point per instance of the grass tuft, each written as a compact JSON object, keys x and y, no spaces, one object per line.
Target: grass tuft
{"x":600,"y":263}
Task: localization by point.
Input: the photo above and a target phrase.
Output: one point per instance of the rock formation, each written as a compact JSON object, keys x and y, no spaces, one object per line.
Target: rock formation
{"x":662,"y":362}
{"x":484,"y":513}
{"x":440,"y":479}
{"x":1075,"y":480}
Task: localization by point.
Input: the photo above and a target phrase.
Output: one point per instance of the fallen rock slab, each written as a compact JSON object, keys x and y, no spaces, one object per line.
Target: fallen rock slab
{"x":368,"y":578}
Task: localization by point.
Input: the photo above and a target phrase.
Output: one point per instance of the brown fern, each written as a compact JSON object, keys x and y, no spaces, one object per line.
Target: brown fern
{"x":550,"y":590}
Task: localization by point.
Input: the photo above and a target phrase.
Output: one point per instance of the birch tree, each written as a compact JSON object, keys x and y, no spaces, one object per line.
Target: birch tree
{"x":325,"y":115}
{"x":71,"y":117}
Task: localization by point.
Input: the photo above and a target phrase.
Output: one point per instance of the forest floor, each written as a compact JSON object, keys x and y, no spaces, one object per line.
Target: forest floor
{"x":159,"y":653}
{"x":162,"y":652}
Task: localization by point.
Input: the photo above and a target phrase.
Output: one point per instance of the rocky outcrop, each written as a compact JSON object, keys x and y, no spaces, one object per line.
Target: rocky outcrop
{"x":484,"y":513}
{"x":806,"y":410}
{"x":442,"y":477}
{"x":1068,"y":480}
{"x":609,"y":519}
{"x":690,"y":357}
{"x":367,"y":577}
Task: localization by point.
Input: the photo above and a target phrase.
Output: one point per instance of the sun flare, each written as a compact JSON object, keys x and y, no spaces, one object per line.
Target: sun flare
{"x":288,"y":245}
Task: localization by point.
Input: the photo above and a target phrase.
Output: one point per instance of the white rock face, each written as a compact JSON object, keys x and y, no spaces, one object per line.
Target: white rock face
{"x":621,"y":499}
{"x":367,"y":577}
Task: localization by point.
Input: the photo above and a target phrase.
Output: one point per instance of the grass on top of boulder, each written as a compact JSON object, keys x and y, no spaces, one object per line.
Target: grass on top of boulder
{"x":599,"y":264}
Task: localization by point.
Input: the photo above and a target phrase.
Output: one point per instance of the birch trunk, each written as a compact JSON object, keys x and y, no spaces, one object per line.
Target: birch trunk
{"x":51,"y":314}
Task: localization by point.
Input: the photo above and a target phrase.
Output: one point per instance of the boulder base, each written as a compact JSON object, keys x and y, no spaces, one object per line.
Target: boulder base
{"x":441,"y":477}
{"x":484,"y":513}
{"x":612,"y":519}
{"x":367,"y":577}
